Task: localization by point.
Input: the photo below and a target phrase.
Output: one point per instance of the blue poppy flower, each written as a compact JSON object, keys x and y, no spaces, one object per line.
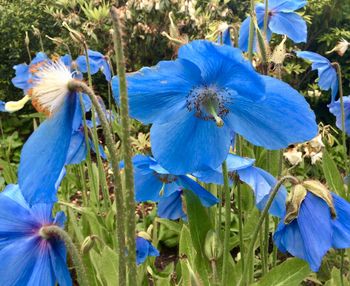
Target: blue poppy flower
{"x":97,"y":62}
{"x":282,"y":20}
{"x":258,"y":179}
{"x":313,"y":232}
{"x":144,"y":248}
{"x":27,"y":258}
{"x":154,"y":183}
{"x":327,"y":74}
{"x":335,"y":109}
{"x":198,"y":101}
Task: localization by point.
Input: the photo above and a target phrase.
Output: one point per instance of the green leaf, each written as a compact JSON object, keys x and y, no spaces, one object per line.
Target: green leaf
{"x":335,"y":279}
{"x":186,"y":251}
{"x":331,"y":172}
{"x":291,"y":272}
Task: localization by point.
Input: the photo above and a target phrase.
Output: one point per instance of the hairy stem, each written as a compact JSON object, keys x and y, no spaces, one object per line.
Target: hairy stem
{"x":251,"y":31}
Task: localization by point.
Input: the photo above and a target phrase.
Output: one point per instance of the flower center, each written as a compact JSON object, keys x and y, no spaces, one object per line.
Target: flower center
{"x":208,"y":103}
{"x":165,"y":178}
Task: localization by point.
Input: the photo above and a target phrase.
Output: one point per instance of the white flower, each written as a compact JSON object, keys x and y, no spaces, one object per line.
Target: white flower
{"x":315,"y":157}
{"x":293,"y":156}
{"x":317,"y":142}
{"x":50,"y":86}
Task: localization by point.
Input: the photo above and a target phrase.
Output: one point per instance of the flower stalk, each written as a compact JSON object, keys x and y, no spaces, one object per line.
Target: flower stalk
{"x":244,"y":280}
{"x":49,"y":231}
{"x":126,"y":146}
{"x":251,"y":31}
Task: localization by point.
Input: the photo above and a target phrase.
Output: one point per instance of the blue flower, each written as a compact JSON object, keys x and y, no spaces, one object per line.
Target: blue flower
{"x":282,"y":20}
{"x":327,"y":74}
{"x":313,"y":232}
{"x":27,"y":258}
{"x":144,"y":248}
{"x":259,"y":180}
{"x":198,"y":101}
{"x":97,"y":62}
{"x":154,"y":183}
{"x":335,"y":109}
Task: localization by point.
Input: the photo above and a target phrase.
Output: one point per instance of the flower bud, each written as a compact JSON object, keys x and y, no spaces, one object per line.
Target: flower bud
{"x":88,"y":244}
{"x":213,"y":246}
{"x":26,"y":39}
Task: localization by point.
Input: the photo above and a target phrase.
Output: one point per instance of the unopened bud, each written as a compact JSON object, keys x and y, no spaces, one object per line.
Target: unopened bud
{"x":26,"y":39}
{"x":88,"y":244}
{"x":213,"y":246}
{"x":144,"y":235}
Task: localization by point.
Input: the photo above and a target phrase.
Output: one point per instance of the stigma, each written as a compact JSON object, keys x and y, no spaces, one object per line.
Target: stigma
{"x":49,"y":86}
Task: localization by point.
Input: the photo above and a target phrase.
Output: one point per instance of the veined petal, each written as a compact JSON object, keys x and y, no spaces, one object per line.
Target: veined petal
{"x":282,"y":118}
{"x":147,"y":186}
{"x":244,"y":34}
{"x":206,"y":198}
{"x":175,"y":143}
{"x":58,"y":255}
{"x":158,"y":93}
{"x":22,"y":77}
{"x":290,"y":24}
{"x":77,"y":148}
{"x":286,"y":5}
{"x":44,"y":154}
{"x":341,"y":224}
{"x":335,"y":109}
{"x":42,"y":272}
{"x":224,"y":66}
{"x":171,"y":207}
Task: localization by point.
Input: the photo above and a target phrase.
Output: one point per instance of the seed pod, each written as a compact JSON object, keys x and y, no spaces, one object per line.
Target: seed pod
{"x":213,"y":246}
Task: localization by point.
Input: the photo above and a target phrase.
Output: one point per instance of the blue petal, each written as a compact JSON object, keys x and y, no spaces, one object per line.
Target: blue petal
{"x":44,"y":154}
{"x":77,"y":148}
{"x":286,"y":5}
{"x":290,"y":24}
{"x":60,"y":219}
{"x":244,"y":35}
{"x":225,"y":67}
{"x":206,"y":198}
{"x":311,"y":238}
{"x":22,"y":77}
{"x":282,"y":118}
{"x":58,"y":260}
{"x":158,"y":93}
{"x":341,"y":224}
{"x":335,"y":109}
{"x":144,"y":248}
{"x":18,"y":261}
{"x":2,"y":106}
{"x":262,"y":184}
{"x":171,"y":207}
{"x":225,"y":38}
{"x":106,"y":69}
{"x":42,"y":272}
{"x":67,"y":60}
{"x":94,"y":65}
{"x":187,"y":144}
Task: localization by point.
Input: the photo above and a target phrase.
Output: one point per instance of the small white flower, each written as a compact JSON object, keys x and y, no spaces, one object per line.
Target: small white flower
{"x":315,"y":157}
{"x":50,"y":86}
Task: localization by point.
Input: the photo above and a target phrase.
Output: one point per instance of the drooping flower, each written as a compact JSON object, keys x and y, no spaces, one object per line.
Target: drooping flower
{"x":341,"y":47}
{"x":282,"y":20}
{"x":314,"y":223}
{"x":335,"y":109}
{"x":144,"y":248}
{"x":97,"y":62}
{"x":327,"y":74}
{"x":198,"y":101}
{"x":27,"y":258}
{"x":260,"y":181}
{"x":154,"y":183}
{"x":293,"y":155}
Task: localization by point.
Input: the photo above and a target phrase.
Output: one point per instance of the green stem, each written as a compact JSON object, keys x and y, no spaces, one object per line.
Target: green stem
{"x":227,"y":223}
{"x":50,"y":231}
{"x":262,"y":252}
{"x":126,"y":146}
{"x":266,"y":17}
{"x":240,"y":224}
{"x":266,"y":244}
{"x":342,"y":252}
{"x":120,"y":221}
{"x":251,"y":31}
{"x":250,"y":252}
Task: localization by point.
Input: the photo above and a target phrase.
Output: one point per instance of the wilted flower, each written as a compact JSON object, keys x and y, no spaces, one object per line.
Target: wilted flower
{"x":340,"y":48}
{"x":316,"y":220}
{"x":281,"y":20}
{"x":154,"y":183}
{"x":198,"y":101}
{"x":327,"y":74}
{"x":258,"y":179}
{"x":293,"y":156}
{"x":28,"y":258}
{"x":335,"y":109}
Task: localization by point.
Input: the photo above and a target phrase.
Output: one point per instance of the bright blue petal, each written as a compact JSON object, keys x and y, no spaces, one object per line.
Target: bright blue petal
{"x":188,"y":144}
{"x":225,"y":67}
{"x":158,"y":93}
{"x":77,"y":148}
{"x":225,"y":38}
{"x":290,"y":24}
{"x":341,"y":224}
{"x":262,"y":184}
{"x":106,"y":69}
{"x":206,"y":198}
{"x":282,"y":118}
{"x":2,"y":106}
{"x":67,"y":60}
{"x":22,"y":77}
{"x":286,"y":5}
{"x":42,"y":272}
{"x":60,"y":219}
{"x":58,"y":255}
{"x":335,"y":109}
{"x":311,"y":238}
{"x":82,"y":66}
{"x":171,"y":207}
{"x":44,"y":155}
{"x":144,"y":248}
{"x":39,"y":57}
{"x":244,"y":35}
